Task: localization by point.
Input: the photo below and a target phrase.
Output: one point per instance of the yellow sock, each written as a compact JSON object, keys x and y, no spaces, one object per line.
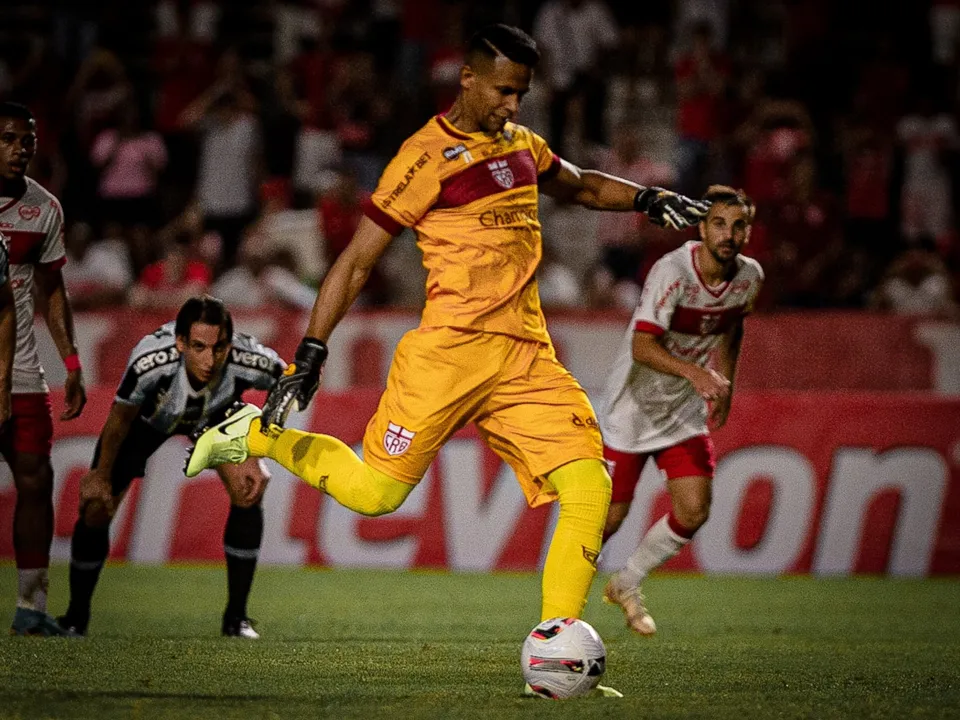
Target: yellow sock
{"x":584,"y":489}
{"x":331,"y":466}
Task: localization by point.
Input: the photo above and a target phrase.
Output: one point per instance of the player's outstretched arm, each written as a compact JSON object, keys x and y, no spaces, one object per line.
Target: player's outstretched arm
{"x":8,"y":343}
{"x":600,"y":191}
{"x":338,"y":292}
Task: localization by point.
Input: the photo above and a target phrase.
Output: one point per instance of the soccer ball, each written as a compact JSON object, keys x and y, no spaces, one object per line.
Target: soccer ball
{"x":563,"y":658}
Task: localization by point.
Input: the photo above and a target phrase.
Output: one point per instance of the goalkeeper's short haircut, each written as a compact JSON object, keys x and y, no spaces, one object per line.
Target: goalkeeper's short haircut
{"x":511,"y":42}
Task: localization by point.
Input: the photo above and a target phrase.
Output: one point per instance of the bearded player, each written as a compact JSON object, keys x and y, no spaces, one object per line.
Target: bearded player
{"x":467,"y":183}
{"x":656,"y":401}
{"x":32,"y":220}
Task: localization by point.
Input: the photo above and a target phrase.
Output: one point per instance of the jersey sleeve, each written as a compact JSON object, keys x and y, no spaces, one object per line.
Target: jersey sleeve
{"x":661,"y":293}
{"x":548,"y":163}
{"x":147,"y":366}
{"x":257,"y":365}
{"x":54,"y":251}
{"x":408,"y":188}
{"x":755,"y":291}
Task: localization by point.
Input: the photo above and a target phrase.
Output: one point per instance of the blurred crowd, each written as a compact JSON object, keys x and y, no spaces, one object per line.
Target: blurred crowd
{"x":228,"y":145}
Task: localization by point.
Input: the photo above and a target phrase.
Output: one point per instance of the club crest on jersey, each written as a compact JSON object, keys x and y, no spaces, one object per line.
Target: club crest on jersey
{"x":500,"y":169}
{"x":709,"y":323}
{"x":397,"y":439}
{"x":28,"y":212}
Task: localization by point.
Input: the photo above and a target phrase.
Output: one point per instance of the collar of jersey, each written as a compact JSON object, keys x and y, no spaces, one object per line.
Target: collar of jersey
{"x":449,"y":129}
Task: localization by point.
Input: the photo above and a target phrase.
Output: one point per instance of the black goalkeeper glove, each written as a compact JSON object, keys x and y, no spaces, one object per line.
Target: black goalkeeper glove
{"x":299,"y":382}
{"x":668,"y":209}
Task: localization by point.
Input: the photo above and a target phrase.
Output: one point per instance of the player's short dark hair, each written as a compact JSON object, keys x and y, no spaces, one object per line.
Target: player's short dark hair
{"x":206,"y":309}
{"x":16,"y":111}
{"x":507,"y":40}
{"x":726,"y":195}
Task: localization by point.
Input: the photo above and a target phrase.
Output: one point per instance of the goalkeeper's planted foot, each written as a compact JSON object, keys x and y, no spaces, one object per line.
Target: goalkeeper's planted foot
{"x":225,"y":442}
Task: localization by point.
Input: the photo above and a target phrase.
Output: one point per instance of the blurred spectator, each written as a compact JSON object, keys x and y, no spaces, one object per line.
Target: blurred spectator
{"x":776,"y":131}
{"x":230,"y":164}
{"x":868,"y":167}
{"x":575,"y":37}
{"x":701,"y":83}
{"x":195,"y":19}
{"x":263,"y":279}
{"x":362,"y":118}
{"x":295,"y":21}
{"x":944,"y":31}
{"x":558,"y":284}
{"x":97,"y":273}
{"x":801,"y":240}
{"x":622,"y":238}
{"x":129,"y":160}
{"x":447,"y":59}
{"x":693,"y":15}
{"x":100,"y":88}
{"x":183,"y":68}
{"x":917,"y":283}
{"x":179,"y":274}
{"x":929,"y":140}
{"x":340,"y":211}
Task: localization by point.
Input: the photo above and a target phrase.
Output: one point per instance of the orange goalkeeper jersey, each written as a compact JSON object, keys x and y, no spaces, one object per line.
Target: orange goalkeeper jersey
{"x":472,"y":200}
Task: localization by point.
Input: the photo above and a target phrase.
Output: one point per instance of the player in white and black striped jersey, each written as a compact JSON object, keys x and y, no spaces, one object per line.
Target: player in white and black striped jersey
{"x":185,"y":375}
{"x":679,"y":354}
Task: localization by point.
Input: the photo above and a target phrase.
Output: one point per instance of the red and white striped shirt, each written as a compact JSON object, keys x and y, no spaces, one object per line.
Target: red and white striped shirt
{"x":33,"y":223}
{"x":645,"y":410}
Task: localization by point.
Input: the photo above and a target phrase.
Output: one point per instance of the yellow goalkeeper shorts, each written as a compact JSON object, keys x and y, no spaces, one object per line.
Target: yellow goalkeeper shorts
{"x":527,"y":407}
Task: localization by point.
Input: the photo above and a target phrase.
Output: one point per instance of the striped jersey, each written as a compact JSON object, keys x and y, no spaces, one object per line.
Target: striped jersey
{"x":644,"y":410}
{"x":33,"y":225}
{"x":472,"y":200}
{"x":156,"y":380}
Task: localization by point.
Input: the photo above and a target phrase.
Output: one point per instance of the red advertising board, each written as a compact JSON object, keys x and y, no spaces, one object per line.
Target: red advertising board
{"x":823,"y":483}
{"x":822,"y":351}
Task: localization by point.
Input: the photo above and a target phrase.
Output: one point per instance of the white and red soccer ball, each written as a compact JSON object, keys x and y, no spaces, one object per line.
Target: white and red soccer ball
{"x":563,"y":658}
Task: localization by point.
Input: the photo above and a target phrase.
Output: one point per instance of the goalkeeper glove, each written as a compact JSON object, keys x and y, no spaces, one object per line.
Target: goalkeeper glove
{"x":668,"y":209}
{"x":299,"y":382}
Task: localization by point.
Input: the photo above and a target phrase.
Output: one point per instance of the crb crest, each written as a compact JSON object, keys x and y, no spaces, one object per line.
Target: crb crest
{"x":397,"y":439}
{"x":500,"y":169}
{"x":709,"y":323}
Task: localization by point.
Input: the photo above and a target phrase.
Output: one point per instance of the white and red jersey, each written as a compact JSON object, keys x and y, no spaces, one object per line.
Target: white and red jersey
{"x":644,"y":410}
{"x":33,"y":225}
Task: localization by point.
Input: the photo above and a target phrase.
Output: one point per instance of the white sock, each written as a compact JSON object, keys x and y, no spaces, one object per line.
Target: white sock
{"x":658,"y":545}
{"x":32,"y":584}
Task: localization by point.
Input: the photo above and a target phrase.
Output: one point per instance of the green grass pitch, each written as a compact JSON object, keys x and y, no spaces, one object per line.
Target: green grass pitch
{"x":397,"y":645}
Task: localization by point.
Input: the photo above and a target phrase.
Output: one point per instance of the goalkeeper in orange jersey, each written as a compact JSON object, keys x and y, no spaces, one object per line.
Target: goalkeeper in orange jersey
{"x":467,"y":183}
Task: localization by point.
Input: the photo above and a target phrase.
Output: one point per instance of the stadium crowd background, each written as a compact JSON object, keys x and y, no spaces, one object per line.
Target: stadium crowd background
{"x":228,"y":146}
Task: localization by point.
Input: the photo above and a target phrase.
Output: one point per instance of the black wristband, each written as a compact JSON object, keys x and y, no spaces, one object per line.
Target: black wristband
{"x":641,"y":201}
{"x":312,"y":352}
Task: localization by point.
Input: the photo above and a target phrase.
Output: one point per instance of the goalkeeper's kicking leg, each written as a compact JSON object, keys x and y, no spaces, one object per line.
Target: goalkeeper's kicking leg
{"x":321,"y":461}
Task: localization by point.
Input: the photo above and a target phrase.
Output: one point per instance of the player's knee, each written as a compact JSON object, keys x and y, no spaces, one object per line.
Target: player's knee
{"x":35,"y":485}
{"x":95,"y":514}
{"x":693,"y":516}
{"x":382,"y":494}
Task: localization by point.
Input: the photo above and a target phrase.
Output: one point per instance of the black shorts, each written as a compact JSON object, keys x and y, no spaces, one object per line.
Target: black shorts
{"x":141,"y":442}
